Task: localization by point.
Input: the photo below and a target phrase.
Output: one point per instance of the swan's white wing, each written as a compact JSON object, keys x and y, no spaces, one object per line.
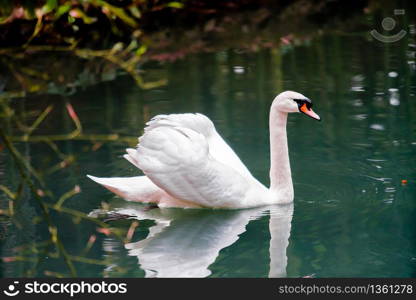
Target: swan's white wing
{"x":178,"y":160}
{"x":197,"y":122}
{"x":218,"y":148}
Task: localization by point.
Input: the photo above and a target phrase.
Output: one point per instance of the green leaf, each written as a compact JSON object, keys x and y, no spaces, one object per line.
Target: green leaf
{"x":141,"y":50}
{"x":4,"y":19}
{"x":49,"y":6}
{"x":117,"y":47}
{"x":175,"y":4}
{"x":131,"y":46}
{"x":135,"y":12}
{"x":62,"y":9}
{"x":117,"y":11}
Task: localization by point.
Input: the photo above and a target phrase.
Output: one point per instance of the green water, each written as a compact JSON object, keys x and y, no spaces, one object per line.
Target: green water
{"x":352,"y":215}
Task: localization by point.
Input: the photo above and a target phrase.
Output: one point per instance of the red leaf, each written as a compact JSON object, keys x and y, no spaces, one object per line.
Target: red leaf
{"x":71,"y":112}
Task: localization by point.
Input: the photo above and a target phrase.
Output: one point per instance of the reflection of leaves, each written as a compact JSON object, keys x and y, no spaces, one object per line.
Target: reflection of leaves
{"x":55,"y":247}
{"x":105,"y":231}
{"x":88,"y":67}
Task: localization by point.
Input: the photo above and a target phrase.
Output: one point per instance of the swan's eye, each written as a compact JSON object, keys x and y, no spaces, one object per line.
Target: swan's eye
{"x":300,"y":102}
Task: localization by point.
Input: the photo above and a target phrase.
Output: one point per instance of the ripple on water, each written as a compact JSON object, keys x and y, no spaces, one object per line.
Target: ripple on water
{"x":377,"y":127}
{"x":381,"y":179}
{"x":390,"y":189}
{"x":361,"y":145}
{"x":357,"y":102}
{"x":359,"y":117}
{"x":239,"y":69}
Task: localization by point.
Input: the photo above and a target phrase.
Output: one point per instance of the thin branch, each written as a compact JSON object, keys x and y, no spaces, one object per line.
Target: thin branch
{"x":66,"y":196}
{"x":37,"y":122}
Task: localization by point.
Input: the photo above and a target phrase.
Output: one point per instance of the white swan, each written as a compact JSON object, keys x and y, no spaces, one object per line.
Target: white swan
{"x":187,"y":164}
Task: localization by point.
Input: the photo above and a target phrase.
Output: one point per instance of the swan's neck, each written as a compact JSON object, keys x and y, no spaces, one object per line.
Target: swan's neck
{"x":280,"y":174}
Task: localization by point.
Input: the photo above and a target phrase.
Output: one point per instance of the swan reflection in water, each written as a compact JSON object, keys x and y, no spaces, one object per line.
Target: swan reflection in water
{"x":184,"y":243}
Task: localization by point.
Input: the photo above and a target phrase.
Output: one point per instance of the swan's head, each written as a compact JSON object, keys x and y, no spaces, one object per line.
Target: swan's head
{"x":291,"y":102}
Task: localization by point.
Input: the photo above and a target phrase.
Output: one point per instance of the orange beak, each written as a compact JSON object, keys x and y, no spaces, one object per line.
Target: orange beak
{"x":308,"y":111}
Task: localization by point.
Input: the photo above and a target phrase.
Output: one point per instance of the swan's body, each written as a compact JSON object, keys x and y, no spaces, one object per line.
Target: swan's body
{"x":187,"y":164}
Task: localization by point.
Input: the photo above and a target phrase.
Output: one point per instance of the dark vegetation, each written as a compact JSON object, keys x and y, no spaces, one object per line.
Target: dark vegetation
{"x":104,"y":38}
{"x":98,"y":23}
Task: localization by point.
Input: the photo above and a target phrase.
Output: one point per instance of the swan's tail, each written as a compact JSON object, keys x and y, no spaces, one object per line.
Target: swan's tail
{"x":140,"y":189}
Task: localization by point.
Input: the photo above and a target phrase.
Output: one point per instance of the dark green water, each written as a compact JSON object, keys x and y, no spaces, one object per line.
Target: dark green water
{"x":352,"y":215}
